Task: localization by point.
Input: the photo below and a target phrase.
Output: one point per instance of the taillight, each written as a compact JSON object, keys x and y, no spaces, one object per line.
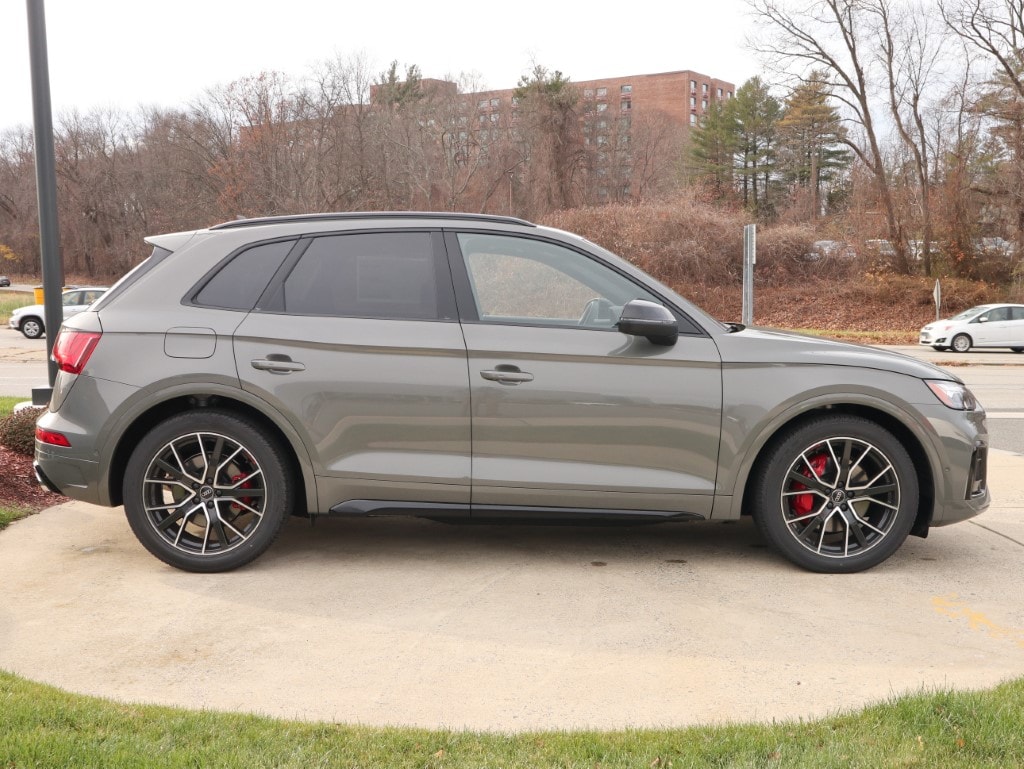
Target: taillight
{"x":73,"y":348}
{"x":54,"y":439}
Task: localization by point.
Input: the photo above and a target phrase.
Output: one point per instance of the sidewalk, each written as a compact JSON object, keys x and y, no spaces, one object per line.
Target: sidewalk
{"x":513,"y":628}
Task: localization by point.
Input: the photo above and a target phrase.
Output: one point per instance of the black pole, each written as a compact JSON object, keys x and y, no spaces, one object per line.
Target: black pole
{"x":46,"y":189}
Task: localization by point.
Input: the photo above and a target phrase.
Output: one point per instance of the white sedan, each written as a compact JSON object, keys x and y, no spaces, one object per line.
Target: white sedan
{"x":987,"y":325}
{"x":29,"y":320}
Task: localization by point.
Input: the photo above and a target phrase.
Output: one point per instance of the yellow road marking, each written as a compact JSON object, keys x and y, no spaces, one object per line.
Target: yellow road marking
{"x":953,"y":607}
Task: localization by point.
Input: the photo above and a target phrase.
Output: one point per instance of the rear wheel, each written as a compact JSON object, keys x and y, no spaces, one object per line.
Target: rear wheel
{"x":32,"y":328}
{"x":207,"y":491}
{"x":1017,"y":349}
{"x":961,"y":343}
{"x":838,"y":494}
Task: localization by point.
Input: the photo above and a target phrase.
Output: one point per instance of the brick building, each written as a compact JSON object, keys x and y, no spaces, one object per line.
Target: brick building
{"x":683,"y":96}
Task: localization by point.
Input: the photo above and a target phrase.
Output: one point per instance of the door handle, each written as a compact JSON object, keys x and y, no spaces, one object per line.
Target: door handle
{"x":507,"y":375}
{"x":277,"y":364}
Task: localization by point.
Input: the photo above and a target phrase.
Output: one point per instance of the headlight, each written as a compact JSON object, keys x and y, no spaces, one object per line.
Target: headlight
{"x":953,"y":394}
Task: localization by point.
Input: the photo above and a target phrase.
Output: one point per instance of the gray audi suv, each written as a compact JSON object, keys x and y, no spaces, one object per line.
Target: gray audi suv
{"x":473,"y":367}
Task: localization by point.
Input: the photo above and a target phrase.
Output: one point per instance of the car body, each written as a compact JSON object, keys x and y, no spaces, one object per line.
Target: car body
{"x":5,"y":282}
{"x":829,"y":249}
{"x":29,"y":320}
{"x":470,"y":367}
{"x":987,"y":325}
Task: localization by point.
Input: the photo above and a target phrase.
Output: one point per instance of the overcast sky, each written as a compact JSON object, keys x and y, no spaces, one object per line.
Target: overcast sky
{"x":123,"y":53}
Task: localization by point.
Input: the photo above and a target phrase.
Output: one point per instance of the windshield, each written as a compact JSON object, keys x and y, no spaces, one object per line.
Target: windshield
{"x":972,"y":312}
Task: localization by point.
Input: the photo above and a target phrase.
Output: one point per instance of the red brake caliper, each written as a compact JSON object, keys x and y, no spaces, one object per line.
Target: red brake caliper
{"x":803,"y":504}
{"x":234,"y":506}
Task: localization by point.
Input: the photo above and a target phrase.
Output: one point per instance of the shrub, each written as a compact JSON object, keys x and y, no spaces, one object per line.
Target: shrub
{"x":18,"y":431}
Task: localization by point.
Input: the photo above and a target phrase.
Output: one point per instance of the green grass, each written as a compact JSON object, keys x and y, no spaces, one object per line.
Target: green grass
{"x":11,"y":513}
{"x":11,"y":300}
{"x":45,"y":727}
{"x":8,"y":402}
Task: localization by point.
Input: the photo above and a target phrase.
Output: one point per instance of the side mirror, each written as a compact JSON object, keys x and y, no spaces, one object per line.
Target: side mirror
{"x":649,"y":319}
{"x":983,"y":319}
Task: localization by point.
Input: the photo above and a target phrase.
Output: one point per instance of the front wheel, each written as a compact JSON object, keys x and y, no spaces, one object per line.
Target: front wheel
{"x":961,"y":343}
{"x":207,"y":491}
{"x":838,"y":494}
{"x":1017,"y":349}
{"x":32,"y":328}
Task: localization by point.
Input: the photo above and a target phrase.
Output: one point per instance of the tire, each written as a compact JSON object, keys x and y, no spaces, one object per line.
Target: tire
{"x":801,"y":518}
{"x":938,"y":347}
{"x":198,"y":463}
{"x":32,"y":327}
{"x":960,"y":343}
{"x":1017,"y":349}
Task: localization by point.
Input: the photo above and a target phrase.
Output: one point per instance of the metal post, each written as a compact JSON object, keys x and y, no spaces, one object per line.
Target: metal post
{"x":46,"y":186}
{"x":749,"y":260}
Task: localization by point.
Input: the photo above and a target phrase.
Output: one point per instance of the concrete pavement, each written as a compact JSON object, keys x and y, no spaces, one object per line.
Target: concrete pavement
{"x":513,"y":628}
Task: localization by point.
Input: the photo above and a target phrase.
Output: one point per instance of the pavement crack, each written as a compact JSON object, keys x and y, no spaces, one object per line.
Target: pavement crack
{"x":998,"y":533}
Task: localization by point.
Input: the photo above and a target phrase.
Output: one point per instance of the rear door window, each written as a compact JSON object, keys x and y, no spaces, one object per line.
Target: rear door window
{"x":387,"y":275}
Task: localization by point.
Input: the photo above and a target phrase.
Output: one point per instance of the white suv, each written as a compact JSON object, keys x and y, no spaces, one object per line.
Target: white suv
{"x":29,"y":320}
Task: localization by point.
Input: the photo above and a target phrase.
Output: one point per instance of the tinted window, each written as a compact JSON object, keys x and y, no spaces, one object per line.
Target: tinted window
{"x":240,"y":282}
{"x":72,"y":298}
{"x":1017,"y":313}
{"x":376,"y":275}
{"x":999,"y":313}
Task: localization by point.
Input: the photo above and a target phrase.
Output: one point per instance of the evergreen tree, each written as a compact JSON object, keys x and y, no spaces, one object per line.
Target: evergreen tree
{"x":712,"y":148}
{"x":755,"y":117}
{"x":812,"y":155}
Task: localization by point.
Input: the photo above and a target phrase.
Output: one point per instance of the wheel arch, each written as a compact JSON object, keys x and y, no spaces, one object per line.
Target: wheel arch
{"x":144,"y":421}
{"x":913,"y":443}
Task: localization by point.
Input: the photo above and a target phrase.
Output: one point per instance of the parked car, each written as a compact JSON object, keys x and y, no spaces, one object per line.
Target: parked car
{"x":987,"y":325}
{"x":5,"y":282}
{"x":29,"y":320}
{"x":829,"y":249}
{"x":471,"y":367}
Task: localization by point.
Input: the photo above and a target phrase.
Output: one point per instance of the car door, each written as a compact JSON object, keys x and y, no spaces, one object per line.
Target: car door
{"x":360,"y":348}
{"x":1015,"y":327}
{"x":568,"y":412}
{"x":994,"y":330}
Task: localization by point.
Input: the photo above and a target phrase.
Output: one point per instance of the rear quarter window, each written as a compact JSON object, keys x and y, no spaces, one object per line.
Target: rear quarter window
{"x":238,"y":283}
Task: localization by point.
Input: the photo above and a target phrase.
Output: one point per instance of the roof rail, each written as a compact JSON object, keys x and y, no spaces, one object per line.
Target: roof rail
{"x":369,"y":215}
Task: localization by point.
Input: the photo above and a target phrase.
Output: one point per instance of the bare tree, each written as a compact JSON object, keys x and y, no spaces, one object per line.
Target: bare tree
{"x":837,"y":36}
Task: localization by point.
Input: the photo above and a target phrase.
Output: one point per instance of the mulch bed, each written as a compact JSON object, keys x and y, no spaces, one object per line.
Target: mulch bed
{"x":18,"y":484}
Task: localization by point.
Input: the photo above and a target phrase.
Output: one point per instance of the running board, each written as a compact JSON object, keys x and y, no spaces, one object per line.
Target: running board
{"x":504,"y":513}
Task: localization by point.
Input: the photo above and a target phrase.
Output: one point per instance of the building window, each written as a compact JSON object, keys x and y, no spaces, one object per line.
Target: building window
{"x":626,"y":89}
{"x":602,"y":106}
{"x":729,"y":95}
{"x":693,"y":102}
{"x":602,"y":92}
{"x":482,"y":104}
{"x":588,"y":93}
{"x":482,"y":118}
{"x":602,"y":124}
{"x":704,"y":103}
{"x":693,"y":119}
{"x":627,"y":105}
{"x":693,"y":86}
{"x":495,"y":102}
{"x":719,"y":93}
{"x":704,"y":87}
{"x":494,"y":117}
{"x":625,"y":122}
